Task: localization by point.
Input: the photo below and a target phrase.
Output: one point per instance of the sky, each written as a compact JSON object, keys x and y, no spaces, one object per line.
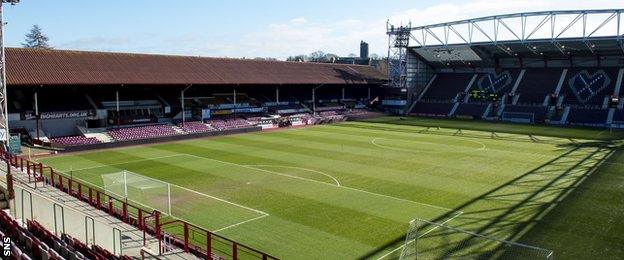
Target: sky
{"x":247,"y":28}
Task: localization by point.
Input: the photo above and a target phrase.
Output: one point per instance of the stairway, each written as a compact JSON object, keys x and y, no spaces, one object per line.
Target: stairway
{"x":179,"y":130}
{"x":102,"y":137}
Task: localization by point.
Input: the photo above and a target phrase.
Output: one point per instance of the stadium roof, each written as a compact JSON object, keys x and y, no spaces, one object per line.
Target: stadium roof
{"x":536,"y":35}
{"x":64,"y":67}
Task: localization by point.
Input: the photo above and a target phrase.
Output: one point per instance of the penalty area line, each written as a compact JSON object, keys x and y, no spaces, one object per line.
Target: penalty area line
{"x":122,"y":163}
{"x":175,"y":185}
{"x":240,"y":223}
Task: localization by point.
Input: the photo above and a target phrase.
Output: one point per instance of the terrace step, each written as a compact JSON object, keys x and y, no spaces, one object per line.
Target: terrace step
{"x":179,"y":130}
{"x":102,"y":137}
{"x":132,"y":240}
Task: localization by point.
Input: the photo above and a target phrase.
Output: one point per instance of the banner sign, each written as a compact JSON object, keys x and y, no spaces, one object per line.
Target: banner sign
{"x":292,"y":111}
{"x":239,"y":110}
{"x":391,"y":102}
{"x":205,"y":113}
{"x":15,"y":144}
{"x":3,"y":135}
{"x":57,"y":115}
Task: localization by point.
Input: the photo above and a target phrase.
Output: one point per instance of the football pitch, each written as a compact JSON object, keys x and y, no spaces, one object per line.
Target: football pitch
{"x":349,"y":190}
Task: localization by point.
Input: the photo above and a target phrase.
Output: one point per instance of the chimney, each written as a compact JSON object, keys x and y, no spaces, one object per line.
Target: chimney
{"x":363,"y":50}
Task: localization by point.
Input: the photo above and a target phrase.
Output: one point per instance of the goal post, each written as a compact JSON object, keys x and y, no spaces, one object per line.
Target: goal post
{"x":430,"y":240}
{"x":140,"y":189}
{"x":176,"y":201}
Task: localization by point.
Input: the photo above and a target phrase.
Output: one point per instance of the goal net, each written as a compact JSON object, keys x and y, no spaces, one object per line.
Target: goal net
{"x":146,"y":191}
{"x":430,"y":240}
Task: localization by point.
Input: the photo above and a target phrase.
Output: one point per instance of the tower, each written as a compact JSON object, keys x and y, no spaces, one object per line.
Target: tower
{"x":398,"y":42}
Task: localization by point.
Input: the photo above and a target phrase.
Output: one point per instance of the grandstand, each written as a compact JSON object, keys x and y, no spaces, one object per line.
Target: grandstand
{"x":454,"y":180}
{"x":170,"y":98}
{"x":66,"y":100}
{"x":563,"y":74}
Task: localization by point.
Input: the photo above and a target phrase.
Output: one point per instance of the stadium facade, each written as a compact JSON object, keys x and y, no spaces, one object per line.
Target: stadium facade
{"x":556,"y":67}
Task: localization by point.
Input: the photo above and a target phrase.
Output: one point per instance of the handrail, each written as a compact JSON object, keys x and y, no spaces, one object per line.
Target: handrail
{"x":98,"y":198}
{"x":149,"y":254}
{"x":218,"y":236}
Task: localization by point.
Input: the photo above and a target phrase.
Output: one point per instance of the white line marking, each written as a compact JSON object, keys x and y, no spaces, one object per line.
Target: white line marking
{"x":602,"y":132}
{"x":321,"y":182}
{"x":189,"y":190}
{"x":201,"y":194}
{"x":262,"y":213}
{"x":240,"y":223}
{"x":298,"y":168}
{"x":427,"y":232}
{"x":373,"y":142}
{"x":122,"y":163}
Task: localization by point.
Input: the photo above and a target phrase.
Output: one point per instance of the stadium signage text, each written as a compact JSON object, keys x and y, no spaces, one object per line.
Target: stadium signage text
{"x":6,"y":246}
{"x":57,"y":115}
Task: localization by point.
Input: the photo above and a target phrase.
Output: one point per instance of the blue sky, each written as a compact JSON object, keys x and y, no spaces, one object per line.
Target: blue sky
{"x":245,"y":28}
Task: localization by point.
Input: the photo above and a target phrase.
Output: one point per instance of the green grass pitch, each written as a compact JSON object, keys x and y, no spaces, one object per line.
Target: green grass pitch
{"x":349,"y":190}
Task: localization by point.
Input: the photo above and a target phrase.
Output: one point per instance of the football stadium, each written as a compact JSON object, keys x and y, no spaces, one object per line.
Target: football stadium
{"x":496,"y":137}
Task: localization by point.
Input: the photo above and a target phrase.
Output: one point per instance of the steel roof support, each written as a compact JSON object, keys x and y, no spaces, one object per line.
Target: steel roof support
{"x":529,"y":33}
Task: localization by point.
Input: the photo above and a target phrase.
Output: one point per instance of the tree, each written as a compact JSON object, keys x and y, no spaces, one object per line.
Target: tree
{"x":299,"y":58}
{"x":36,"y":39}
{"x":317,"y":56}
{"x":329,"y":57}
{"x":265,"y":58}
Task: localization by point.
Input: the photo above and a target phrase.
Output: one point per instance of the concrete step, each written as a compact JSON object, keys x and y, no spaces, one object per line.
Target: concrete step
{"x":178,"y":129}
{"x":102,"y":137}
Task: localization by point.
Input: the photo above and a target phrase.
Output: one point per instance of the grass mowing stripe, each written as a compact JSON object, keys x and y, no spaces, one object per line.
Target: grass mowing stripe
{"x":358,"y":163}
{"x":502,"y":191}
{"x":320,"y":182}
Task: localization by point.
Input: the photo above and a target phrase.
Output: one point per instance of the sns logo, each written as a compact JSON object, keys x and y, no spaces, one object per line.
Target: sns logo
{"x":6,"y":246}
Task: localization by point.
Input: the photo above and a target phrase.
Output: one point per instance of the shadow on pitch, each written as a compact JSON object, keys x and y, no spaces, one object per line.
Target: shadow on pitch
{"x":510,"y":210}
{"x":482,"y":134}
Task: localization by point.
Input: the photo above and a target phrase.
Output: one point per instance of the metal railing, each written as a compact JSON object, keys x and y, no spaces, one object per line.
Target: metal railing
{"x":191,"y":238}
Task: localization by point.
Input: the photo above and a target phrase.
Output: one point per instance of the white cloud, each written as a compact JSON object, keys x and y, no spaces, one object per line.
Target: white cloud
{"x":303,"y":35}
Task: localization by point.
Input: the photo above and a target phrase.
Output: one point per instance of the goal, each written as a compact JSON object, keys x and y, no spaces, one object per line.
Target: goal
{"x":430,"y":240}
{"x":140,"y":189}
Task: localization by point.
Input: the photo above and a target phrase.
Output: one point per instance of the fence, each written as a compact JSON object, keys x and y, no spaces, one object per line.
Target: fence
{"x":200,"y":241}
{"x":61,"y":219}
{"x":179,"y":233}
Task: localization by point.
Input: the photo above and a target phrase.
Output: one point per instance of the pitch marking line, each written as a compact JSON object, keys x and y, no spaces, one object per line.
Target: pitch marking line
{"x":424,"y":234}
{"x":122,"y":163}
{"x":206,"y":195}
{"x":240,"y":223}
{"x":174,"y":185}
{"x":298,"y":168}
{"x":374,"y":142}
{"x":262,"y":213}
{"x":321,"y":182}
